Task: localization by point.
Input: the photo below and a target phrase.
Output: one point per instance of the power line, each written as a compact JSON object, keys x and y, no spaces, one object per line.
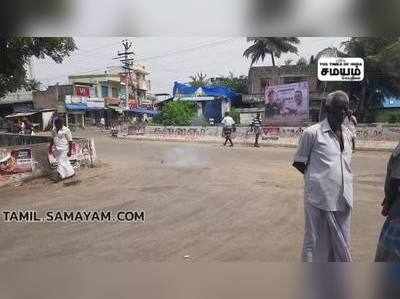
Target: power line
{"x":185,"y":50}
{"x":203,"y":45}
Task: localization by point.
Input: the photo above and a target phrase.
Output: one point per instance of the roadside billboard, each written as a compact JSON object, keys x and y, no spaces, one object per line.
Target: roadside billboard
{"x":287,"y":104}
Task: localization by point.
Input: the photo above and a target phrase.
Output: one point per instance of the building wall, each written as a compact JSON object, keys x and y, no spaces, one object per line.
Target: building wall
{"x":52,"y":98}
{"x":260,"y":77}
{"x":158,"y":132}
{"x":113,"y":83}
{"x":247,"y":114}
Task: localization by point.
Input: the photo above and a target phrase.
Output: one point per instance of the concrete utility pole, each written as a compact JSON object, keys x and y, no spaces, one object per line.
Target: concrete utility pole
{"x":127,"y":61}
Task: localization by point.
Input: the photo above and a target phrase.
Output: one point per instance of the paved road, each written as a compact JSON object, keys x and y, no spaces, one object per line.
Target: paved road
{"x":202,"y":201}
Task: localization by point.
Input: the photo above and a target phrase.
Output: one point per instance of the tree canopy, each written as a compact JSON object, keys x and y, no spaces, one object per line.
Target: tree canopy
{"x":16,"y":53}
{"x":199,"y":80}
{"x":177,"y":113}
{"x":382,"y":79}
{"x":273,"y":46}
{"x":237,"y":84}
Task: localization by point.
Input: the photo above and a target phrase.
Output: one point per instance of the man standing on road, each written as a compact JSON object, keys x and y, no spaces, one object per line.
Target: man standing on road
{"x":228,"y":124}
{"x":61,"y":147}
{"x":324,"y":157}
{"x":256,"y":128}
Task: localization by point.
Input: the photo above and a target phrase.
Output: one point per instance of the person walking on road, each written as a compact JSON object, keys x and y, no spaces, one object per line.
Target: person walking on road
{"x":61,"y":148}
{"x":256,"y":128}
{"x":228,"y":126}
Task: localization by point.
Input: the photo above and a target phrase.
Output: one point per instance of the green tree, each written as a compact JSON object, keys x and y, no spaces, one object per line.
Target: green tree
{"x":32,"y":84}
{"x":199,"y":80}
{"x":302,"y":61}
{"x":16,"y":52}
{"x":177,"y":113}
{"x":273,"y":46}
{"x":381,"y":77}
{"x":237,"y":84}
{"x":392,"y":118}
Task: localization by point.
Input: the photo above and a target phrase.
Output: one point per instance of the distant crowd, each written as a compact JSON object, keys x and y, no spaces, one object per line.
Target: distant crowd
{"x":21,"y":126}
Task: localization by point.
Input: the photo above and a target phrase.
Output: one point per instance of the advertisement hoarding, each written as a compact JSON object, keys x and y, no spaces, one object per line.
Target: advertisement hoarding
{"x":287,"y":104}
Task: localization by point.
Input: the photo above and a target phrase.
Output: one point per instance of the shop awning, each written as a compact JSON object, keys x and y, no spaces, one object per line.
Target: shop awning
{"x":116,"y":109}
{"x":20,"y":114}
{"x":76,"y":107}
{"x":144,"y":111}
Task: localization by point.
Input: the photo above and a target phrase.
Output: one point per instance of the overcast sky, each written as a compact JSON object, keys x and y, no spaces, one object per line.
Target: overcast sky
{"x":167,"y":59}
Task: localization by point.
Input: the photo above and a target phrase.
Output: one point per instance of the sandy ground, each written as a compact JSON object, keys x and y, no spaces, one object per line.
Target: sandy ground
{"x":203,"y":202}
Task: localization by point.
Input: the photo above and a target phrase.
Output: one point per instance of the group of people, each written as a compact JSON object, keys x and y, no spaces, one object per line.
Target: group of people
{"x":229,"y":127}
{"x":21,"y":126}
{"x":324,"y":158}
{"x":228,"y":123}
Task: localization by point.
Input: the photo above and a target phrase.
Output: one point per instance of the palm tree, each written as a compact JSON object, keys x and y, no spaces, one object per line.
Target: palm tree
{"x":198,"y":80}
{"x":330,"y":52}
{"x":273,"y":46}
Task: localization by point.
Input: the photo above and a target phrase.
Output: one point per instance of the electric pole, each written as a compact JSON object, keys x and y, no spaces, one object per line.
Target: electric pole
{"x":126,"y":58}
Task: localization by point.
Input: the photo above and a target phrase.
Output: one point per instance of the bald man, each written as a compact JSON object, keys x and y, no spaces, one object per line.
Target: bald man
{"x":324,"y":157}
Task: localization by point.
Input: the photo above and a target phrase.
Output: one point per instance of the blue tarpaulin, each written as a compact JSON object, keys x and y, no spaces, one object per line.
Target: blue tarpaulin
{"x":392,"y":102}
{"x":186,"y":90}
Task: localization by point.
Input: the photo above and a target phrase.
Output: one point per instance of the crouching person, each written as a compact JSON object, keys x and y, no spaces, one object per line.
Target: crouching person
{"x":61,"y":148}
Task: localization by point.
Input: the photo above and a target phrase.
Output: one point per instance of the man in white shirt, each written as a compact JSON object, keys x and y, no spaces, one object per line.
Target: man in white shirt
{"x":228,"y":124}
{"x":324,"y":157}
{"x":61,"y":148}
{"x":102,"y":123}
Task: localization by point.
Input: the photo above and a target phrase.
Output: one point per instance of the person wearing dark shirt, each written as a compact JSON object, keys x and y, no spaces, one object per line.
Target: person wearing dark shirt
{"x":256,"y":128}
{"x":388,"y":249}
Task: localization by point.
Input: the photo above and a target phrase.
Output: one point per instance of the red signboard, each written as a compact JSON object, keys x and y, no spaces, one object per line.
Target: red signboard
{"x":17,"y":161}
{"x":82,"y":91}
{"x":112,"y":101}
{"x":133,"y":104}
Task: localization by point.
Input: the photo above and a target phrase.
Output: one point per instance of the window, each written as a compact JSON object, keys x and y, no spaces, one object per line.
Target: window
{"x":114,"y":92}
{"x":104,"y":91}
